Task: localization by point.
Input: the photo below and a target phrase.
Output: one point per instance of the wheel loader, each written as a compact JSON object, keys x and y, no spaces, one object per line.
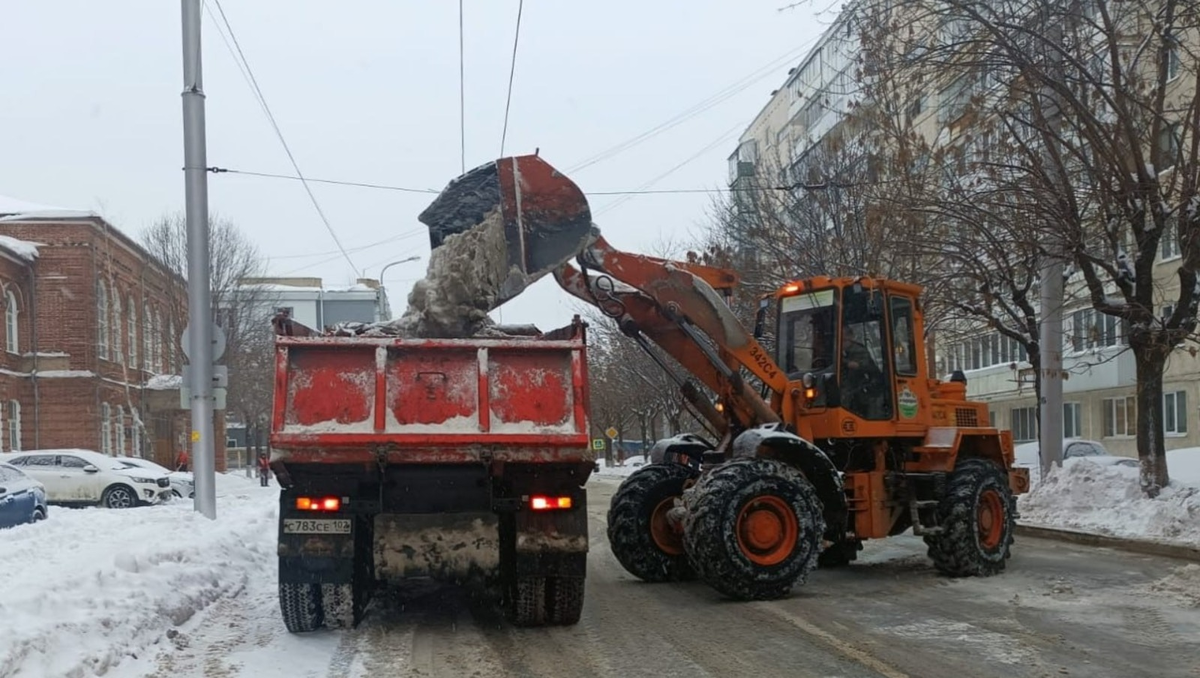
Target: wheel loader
{"x":834,"y":435}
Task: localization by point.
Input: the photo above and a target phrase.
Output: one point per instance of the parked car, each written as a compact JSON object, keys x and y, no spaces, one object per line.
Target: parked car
{"x":86,"y":477}
{"x":22,"y":499}
{"x":1074,"y":449}
{"x":183,"y":483}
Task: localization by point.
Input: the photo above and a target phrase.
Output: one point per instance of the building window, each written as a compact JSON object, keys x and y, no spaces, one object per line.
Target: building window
{"x":102,"y":314}
{"x":1173,"y":63}
{"x":1175,"y":413}
{"x":133,"y":328}
{"x":1170,"y":238}
{"x":135,"y":427}
{"x":118,"y":354}
{"x":14,"y":426}
{"x":1092,"y":329}
{"x":156,"y":343}
{"x":1120,"y":417}
{"x":1024,"y":424}
{"x":1168,"y":145}
{"x":12,"y":339}
{"x":171,"y":346}
{"x":1072,"y":420}
{"x":105,"y":429}
{"x":148,"y":339}
{"x":120,"y":424}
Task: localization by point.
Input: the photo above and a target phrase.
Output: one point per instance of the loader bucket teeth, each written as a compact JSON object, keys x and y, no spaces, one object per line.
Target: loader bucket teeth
{"x":546,"y":218}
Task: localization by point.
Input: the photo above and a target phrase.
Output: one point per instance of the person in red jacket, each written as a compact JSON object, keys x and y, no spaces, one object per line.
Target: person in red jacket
{"x":264,"y":470}
{"x":181,"y":462}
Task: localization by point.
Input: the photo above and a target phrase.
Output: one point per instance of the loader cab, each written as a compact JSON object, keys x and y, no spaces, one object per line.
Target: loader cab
{"x":852,"y":344}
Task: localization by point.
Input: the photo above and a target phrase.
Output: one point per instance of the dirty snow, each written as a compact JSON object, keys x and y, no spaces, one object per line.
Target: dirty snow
{"x":1183,"y":585}
{"x":1108,"y":500}
{"x":164,"y":382}
{"x":89,"y":588}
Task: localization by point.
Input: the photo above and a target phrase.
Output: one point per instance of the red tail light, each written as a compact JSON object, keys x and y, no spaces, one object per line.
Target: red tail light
{"x":318,"y":503}
{"x":544,"y":503}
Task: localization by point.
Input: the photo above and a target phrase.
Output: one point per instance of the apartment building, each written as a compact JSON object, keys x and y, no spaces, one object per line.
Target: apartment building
{"x":825,"y":97}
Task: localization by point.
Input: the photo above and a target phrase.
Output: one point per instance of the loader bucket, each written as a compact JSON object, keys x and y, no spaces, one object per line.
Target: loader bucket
{"x":545,"y":218}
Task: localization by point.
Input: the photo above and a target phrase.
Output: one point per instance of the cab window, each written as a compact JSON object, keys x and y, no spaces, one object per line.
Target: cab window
{"x":903,"y":341}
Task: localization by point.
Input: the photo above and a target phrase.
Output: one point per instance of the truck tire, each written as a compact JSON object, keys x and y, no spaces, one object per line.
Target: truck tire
{"x":638,"y":533}
{"x":301,"y":607}
{"x":978,"y":517}
{"x":547,"y":601}
{"x":753,"y":528}
{"x":339,"y":606}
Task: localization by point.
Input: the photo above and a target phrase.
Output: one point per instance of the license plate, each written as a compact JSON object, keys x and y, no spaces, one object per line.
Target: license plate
{"x":305,"y":526}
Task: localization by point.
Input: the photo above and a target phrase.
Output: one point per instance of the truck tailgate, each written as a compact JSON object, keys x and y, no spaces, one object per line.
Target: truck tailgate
{"x":343,"y":399}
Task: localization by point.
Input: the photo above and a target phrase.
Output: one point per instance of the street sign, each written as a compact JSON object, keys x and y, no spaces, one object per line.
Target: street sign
{"x":218,"y":340}
{"x":597,"y":443}
{"x":611,"y":432}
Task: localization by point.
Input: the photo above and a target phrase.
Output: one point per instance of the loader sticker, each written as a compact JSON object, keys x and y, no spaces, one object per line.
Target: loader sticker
{"x":908,"y":403}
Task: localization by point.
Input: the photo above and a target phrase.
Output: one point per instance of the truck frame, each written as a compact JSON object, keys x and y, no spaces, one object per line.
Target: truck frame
{"x":460,"y":460}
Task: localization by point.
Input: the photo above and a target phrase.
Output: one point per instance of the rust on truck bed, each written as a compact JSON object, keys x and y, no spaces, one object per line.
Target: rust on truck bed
{"x":360,"y":399}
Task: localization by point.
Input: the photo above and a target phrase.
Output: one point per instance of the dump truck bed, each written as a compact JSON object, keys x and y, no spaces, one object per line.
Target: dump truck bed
{"x":354,"y":399}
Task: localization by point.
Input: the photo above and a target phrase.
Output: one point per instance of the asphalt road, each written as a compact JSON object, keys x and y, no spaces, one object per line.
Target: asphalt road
{"x":1059,"y":610}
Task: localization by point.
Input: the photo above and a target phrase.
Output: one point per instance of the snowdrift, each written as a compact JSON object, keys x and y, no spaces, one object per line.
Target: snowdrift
{"x":87,"y":588}
{"x":1107,"y":500}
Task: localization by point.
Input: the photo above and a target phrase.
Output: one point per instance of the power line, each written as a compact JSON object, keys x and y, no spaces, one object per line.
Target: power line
{"x":279,"y":133}
{"x":305,"y":267}
{"x":462,"y":96}
{"x":358,"y":184}
{"x":512,"y":70}
{"x":720,"y":96}
{"x":360,"y":248}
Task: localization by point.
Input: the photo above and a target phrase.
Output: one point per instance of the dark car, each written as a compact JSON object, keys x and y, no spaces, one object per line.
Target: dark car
{"x":22,"y":499}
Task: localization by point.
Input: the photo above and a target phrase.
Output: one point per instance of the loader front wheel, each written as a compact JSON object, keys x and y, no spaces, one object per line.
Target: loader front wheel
{"x":638,"y":531}
{"x":978,"y":517}
{"x":753,"y":529}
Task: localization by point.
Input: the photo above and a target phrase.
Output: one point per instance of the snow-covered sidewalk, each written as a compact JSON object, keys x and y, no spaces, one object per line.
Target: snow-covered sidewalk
{"x":1107,"y":500}
{"x":89,"y":588}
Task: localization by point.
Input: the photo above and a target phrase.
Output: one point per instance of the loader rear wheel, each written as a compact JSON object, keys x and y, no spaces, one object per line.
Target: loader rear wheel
{"x":977,"y":517}
{"x":638,"y":532}
{"x":753,"y":529}
{"x":300,"y":605}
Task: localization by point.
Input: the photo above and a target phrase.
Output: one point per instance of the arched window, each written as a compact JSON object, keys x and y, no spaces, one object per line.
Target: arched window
{"x":148,"y":339}
{"x":135,"y":425}
{"x":118,"y":354}
{"x":105,"y":429}
{"x":102,"y":314}
{"x":12,"y":338}
{"x":156,"y":342}
{"x":171,"y":346}
{"x":133,"y":328}
{"x":14,"y":426}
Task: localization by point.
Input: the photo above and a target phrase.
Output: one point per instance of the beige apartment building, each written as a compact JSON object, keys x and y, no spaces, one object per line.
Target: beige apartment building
{"x":819,"y":101}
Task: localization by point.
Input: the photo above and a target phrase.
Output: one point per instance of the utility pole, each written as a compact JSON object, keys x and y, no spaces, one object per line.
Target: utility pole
{"x":1050,"y":284}
{"x":200,"y":322}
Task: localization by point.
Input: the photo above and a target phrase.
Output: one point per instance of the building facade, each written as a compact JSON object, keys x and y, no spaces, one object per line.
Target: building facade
{"x":90,"y":339}
{"x":313,"y":304}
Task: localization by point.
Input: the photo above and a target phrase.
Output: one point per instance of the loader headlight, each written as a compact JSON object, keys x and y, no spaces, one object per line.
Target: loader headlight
{"x":808,"y":380}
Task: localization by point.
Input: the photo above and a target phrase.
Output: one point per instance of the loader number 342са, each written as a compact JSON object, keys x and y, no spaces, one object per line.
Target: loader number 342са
{"x":306,"y":526}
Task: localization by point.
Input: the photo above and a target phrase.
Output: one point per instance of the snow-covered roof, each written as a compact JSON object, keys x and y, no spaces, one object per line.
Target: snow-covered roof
{"x":12,"y":209}
{"x":21,"y":248}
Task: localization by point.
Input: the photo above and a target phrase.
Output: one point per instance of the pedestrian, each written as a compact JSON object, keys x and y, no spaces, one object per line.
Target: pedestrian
{"x":264,"y":470}
{"x":181,"y":461}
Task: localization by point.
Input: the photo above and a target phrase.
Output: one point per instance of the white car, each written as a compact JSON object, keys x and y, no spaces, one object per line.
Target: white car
{"x":183,"y":484}
{"x":87,"y":477}
{"x":1074,"y":449}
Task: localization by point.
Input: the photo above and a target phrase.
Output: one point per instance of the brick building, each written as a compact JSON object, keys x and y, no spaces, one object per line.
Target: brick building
{"x":89,"y":336}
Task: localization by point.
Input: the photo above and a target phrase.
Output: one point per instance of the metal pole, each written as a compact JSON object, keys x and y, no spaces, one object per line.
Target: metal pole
{"x":200,"y":323}
{"x":384,"y":287}
{"x":1050,"y":341}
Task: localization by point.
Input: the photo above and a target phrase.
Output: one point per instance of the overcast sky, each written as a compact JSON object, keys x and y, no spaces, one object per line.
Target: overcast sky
{"x":368,"y":90}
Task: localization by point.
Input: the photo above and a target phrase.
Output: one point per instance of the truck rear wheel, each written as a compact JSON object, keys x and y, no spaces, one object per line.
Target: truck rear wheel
{"x":339,"y":606}
{"x":753,"y":528}
{"x":638,"y":532}
{"x":547,"y":601}
{"x":977,"y":516}
{"x":300,"y":605}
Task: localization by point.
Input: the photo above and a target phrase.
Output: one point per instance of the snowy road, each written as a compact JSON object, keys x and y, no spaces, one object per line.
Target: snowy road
{"x":1060,"y":610}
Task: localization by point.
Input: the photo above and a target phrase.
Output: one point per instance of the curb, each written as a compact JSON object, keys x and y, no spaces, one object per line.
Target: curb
{"x":1151,"y":548}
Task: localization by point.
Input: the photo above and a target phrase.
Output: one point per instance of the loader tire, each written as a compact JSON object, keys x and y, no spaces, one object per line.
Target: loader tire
{"x":978,"y":517}
{"x":300,"y":605}
{"x":638,"y":533}
{"x":753,"y":528}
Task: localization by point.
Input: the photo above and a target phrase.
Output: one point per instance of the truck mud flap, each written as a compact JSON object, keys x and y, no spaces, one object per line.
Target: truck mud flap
{"x":310,"y":553}
{"x":454,"y":547}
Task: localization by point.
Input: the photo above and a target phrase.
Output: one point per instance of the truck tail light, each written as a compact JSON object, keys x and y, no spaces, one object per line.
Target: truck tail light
{"x":318,"y":503}
{"x":544,"y":503}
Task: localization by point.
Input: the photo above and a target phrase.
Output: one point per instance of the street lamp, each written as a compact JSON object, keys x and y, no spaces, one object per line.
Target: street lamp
{"x":382,"y":288}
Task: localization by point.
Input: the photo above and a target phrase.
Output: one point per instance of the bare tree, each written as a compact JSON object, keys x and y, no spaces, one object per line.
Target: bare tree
{"x":243,"y":313}
{"x":1089,"y":113}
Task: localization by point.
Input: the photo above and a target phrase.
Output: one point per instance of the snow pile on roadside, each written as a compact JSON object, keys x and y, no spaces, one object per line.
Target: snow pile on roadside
{"x":89,"y":587}
{"x":1182,"y":585}
{"x":1108,"y":500}
{"x":1184,"y":465}
{"x":625,"y":470}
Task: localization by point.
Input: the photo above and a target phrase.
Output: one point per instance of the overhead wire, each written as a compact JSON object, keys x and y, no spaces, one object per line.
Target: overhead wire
{"x":512,"y":70}
{"x":279,"y":134}
{"x":462,"y":93}
{"x":359,"y":248}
